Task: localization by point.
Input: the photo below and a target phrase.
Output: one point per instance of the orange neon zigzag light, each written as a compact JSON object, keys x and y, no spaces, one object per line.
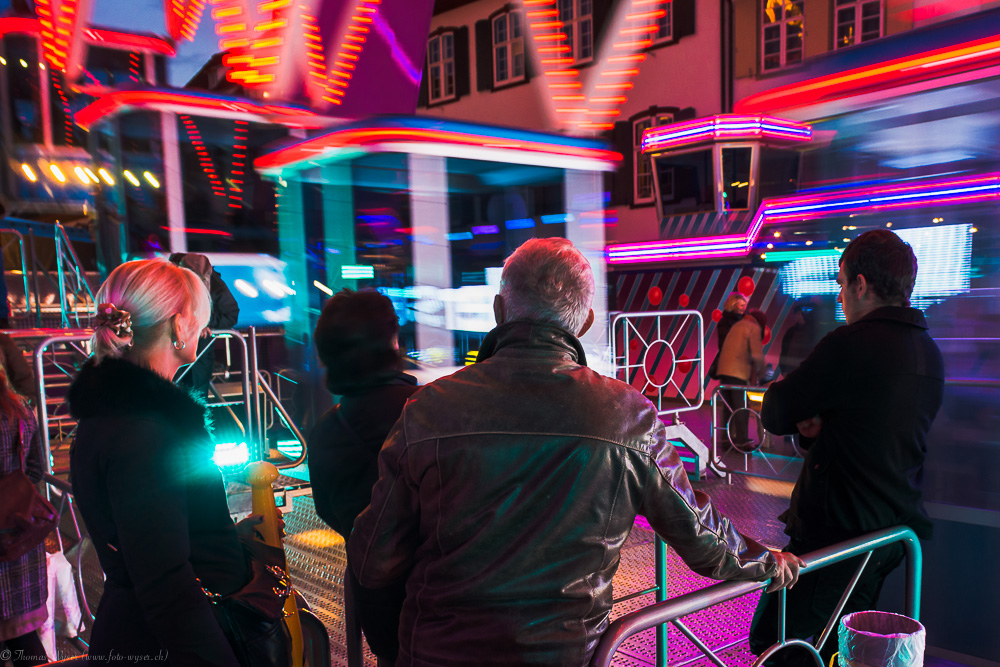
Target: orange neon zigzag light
{"x":183,"y":18}
{"x":605,"y":98}
{"x":241,"y":138}
{"x":350,"y":50}
{"x":59,"y":21}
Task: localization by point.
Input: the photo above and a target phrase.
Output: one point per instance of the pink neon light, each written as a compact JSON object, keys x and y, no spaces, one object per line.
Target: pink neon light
{"x":964,"y":190}
{"x":126,"y":40}
{"x":309,"y":150}
{"x":724,"y":127}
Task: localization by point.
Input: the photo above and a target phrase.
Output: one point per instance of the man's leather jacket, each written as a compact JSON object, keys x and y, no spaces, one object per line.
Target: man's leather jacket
{"x":505,"y":494}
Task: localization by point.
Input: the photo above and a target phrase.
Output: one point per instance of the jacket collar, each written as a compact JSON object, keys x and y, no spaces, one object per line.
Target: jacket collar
{"x":525,"y":334}
{"x":389,"y":378}
{"x":120,"y":388}
{"x":900,"y":314}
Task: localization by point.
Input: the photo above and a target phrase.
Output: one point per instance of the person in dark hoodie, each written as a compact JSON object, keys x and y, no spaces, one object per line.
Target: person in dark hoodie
{"x":225,"y":313}
{"x":143,"y":475}
{"x":356,"y":339}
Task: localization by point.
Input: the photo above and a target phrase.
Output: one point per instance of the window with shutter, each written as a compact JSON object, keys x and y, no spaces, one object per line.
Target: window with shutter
{"x":441,"y":67}
{"x":857,"y":21}
{"x":508,"y":48}
{"x":781,"y":34}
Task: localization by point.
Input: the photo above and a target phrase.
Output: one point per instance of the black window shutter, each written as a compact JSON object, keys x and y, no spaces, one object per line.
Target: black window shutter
{"x":687,"y":113}
{"x":603,"y":16}
{"x":621,"y":136}
{"x":484,"y":55}
{"x":683,"y":17}
{"x":422,"y":94}
{"x":463,"y":83}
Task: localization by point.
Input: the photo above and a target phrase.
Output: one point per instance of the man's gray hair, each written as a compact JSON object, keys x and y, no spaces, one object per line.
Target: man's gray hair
{"x":548,"y":281}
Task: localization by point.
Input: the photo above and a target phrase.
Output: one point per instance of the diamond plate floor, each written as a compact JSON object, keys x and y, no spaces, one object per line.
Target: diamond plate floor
{"x":316,"y":560}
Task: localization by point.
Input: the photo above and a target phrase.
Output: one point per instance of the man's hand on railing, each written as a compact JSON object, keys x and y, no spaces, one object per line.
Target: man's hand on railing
{"x":788,"y":571}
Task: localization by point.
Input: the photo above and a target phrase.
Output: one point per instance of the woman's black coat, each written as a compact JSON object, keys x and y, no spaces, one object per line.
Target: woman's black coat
{"x":155,"y":505}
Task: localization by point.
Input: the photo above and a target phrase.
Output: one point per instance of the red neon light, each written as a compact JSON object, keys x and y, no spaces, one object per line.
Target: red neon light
{"x":188,"y":102}
{"x":196,"y":230}
{"x":977,"y":54}
{"x":124,"y":40}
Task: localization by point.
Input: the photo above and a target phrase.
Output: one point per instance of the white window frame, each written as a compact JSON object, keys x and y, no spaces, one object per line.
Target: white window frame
{"x":782,"y":25}
{"x":571,"y":26}
{"x":512,"y":46}
{"x":665,"y":25}
{"x":858,"y":6}
{"x":638,"y":159}
{"x":439,"y":69}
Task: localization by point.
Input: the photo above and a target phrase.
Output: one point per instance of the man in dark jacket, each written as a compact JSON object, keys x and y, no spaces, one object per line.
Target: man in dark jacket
{"x":357,"y":341}
{"x":507,"y":489}
{"x":225,"y":313}
{"x":863,"y":402}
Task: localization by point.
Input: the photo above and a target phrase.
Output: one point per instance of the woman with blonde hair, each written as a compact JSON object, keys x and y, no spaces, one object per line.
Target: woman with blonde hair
{"x":23,"y":582}
{"x":143,"y":475}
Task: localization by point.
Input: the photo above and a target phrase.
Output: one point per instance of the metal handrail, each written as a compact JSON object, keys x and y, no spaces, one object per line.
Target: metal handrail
{"x":42,"y":408}
{"x":673,"y":610}
{"x":24,"y":266}
{"x":65,"y":247}
{"x":285,"y":417}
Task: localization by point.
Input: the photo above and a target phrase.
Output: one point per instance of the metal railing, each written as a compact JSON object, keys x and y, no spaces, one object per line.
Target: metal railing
{"x":672,"y":611}
{"x":725,"y":413}
{"x":39,"y":363}
{"x":68,"y":264}
{"x":253,"y":425}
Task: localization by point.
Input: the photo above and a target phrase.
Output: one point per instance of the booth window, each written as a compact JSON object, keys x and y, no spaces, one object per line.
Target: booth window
{"x":693,"y":182}
{"x":508,"y":48}
{"x":781,"y":33}
{"x":441,"y":67}
{"x":736,"y":178}
{"x":577,"y":17}
{"x":857,"y":21}
{"x":642,"y":175}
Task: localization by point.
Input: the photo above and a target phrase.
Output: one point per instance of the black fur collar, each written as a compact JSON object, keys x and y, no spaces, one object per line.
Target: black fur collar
{"x":116,"y":387}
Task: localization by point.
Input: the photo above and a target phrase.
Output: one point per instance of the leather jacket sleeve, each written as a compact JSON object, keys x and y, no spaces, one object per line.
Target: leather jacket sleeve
{"x":382,"y":545}
{"x":686,"y":520}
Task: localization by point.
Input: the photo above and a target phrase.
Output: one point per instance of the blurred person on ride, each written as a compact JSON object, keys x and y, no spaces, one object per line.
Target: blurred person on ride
{"x":143,"y":477}
{"x":741,"y":364}
{"x":862,"y":402}
{"x":732,"y":312}
{"x":357,"y":341}
{"x":23,"y":582}
{"x":507,"y":489}
{"x":19,"y":375}
{"x":225,"y":313}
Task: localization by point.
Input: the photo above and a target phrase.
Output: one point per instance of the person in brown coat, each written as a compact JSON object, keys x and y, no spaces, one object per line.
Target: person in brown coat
{"x":741,"y":362}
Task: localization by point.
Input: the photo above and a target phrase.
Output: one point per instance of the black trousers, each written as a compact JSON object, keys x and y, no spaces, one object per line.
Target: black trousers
{"x":736,"y":399}
{"x":814,"y":597}
{"x":25,"y":651}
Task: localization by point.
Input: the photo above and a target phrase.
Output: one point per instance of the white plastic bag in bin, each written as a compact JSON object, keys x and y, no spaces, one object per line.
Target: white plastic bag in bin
{"x":64,"y":606}
{"x":881,"y":639}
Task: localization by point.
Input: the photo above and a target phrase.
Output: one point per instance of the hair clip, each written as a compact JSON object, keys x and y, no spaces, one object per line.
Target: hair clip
{"x":119,"y":321}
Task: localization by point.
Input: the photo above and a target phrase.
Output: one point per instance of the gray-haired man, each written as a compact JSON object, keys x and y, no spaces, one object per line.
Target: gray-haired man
{"x":506,"y":490}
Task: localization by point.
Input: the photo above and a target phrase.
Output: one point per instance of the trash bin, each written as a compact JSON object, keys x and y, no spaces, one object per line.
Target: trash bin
{"x":881,"y":639}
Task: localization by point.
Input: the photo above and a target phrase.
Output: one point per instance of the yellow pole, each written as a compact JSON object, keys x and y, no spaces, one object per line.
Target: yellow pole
{"x":260,"y":475}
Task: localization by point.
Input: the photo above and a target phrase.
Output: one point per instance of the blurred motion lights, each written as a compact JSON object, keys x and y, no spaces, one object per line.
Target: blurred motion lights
{"x":57,"y":173}
{"x":152,"y":179}
{"x":130,"y":178}
{"x":28,"y":173}
{"x":106,"y":176}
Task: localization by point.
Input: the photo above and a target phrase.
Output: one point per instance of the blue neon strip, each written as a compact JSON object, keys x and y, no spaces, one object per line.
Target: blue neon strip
{"x":486,"y":229}
{"x":459,"y":236}
{"x":521,"y":223}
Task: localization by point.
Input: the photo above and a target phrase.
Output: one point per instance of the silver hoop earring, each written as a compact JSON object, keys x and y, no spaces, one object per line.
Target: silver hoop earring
{"x":179,"y":345}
